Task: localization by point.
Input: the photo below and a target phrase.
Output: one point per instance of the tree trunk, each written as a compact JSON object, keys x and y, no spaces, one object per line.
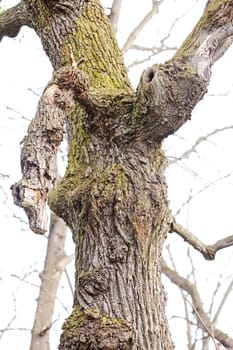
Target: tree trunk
{"x":113,"y":195}
{"x":119,"y":217}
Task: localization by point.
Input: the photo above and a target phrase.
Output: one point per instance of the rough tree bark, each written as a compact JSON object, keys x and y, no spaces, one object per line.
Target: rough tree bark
{"x":113,"y":195}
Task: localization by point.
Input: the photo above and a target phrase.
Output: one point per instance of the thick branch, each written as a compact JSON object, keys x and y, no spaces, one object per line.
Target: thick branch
{"x":115,"y":13}
{"x":40,"y":146}
{"x":208,"y":251}
{"x":12,"y":20}
{"x":210,"y":38}
{"x":201,"y":316}
{"x":168,"y":93}
{"x":50,"y":279}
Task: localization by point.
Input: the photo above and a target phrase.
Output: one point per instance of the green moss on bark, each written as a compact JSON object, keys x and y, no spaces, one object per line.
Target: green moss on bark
{"x":88,"y":329}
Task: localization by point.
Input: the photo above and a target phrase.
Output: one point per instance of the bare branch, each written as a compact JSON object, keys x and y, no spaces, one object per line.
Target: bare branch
{"x":167,"y":93}
{"x":183,"y":294}
{"x":224,"y":299}
{"x":201,"y":139}
{"x":202,"y":318}
{"x":50,"y":279}
{"x":208,"y":251}
{"x":39,"y":153}
{"x":137,"y":30}
{"x":12,"y":20}
{"x":115,"y":13}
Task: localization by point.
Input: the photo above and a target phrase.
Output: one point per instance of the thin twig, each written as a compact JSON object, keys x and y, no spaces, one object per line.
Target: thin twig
{"x":202,"y":318}
{"x":201,"y":139}
{"x":210,"y":184}
{"x":132,"y":37}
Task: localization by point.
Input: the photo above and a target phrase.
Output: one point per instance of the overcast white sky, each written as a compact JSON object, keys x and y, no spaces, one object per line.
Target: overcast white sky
{"x":24,"y":66}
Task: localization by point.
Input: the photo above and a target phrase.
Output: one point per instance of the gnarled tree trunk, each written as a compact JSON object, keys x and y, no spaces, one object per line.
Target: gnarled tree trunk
{"x":113,"y":194}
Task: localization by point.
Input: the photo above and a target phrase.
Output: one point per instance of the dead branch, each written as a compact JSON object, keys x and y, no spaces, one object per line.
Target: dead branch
{"x":153,"y":52}
{"x":208,"y":251}
{"x":39,"y":154}
{"x":159,"y":47}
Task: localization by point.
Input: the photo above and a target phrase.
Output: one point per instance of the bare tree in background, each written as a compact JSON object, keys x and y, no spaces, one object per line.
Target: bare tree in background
{"x":113,"y":196}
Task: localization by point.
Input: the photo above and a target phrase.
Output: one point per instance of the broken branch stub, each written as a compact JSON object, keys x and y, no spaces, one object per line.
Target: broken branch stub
{"x":40,"y":146}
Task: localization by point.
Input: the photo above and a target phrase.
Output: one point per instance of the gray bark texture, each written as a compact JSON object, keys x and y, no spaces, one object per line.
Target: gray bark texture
{"x":113,"y":195}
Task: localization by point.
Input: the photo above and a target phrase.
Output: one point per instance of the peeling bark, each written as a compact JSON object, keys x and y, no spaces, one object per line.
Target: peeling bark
{"x":39,"y":157}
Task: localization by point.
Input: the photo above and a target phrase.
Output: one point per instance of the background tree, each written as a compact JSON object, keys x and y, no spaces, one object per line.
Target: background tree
{"x":150,"y":72}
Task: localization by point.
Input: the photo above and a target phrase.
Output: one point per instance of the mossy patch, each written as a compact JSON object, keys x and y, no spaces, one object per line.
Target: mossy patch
{"x":88,"y":329}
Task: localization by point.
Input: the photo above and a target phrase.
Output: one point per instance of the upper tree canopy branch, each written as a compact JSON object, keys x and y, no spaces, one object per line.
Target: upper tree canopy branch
{"x":137,"y":30}
{"x":193,"y":148}
{"x":208,"y":251}
{"x":12,"y":20}
{"x":201,"y":316}
{"x":167,"y":93}
{"x":115,"y":14}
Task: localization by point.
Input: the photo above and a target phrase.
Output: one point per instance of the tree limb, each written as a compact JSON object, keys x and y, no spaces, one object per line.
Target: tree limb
{"x":224,"y":298}
{"x":50,"y":278}
{"x":12,"y":20}
{"x":115,"y":13}
{"x":167,"y":93}
{"x":39,"y":152}
{"x":201,"y":316}
{"x":208,"y":251}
